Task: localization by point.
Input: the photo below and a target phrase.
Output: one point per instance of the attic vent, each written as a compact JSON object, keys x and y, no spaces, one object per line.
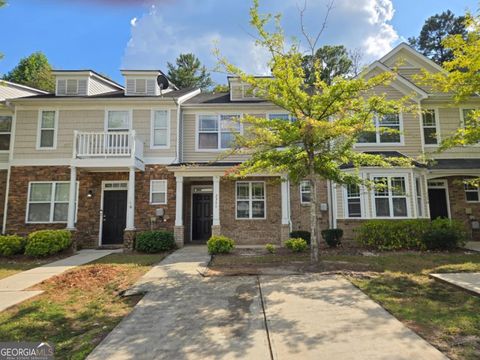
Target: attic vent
{"x":82,"y":87}
{"x":61,"y":87}
{"x":72,"y":87}
{"x":141,"y":87}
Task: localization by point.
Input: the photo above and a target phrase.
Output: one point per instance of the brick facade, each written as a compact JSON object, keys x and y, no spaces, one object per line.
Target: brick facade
{"x":3,"y":191}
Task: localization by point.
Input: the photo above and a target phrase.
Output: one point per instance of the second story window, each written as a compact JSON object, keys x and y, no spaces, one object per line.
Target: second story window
{"x":281,"y":116}
{"x":5,"y":132}
{"x":47,"y":129}
{"x":429,"y":123}
{"x":216,"y":132}
{"x":160,"y":129}
{"x":118,"y":120}
{"x":387,"y":131}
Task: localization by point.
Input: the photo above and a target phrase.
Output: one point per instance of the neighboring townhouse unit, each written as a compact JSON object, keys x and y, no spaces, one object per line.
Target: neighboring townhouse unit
{"x":107,"y":161}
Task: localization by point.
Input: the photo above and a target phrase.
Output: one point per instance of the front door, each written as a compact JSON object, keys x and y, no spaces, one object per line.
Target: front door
{"x":438,"y":203}
{"x":114,"y":216}
{"x":202,"y":217}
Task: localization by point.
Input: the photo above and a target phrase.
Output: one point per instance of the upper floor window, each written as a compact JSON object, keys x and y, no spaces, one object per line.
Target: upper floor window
{"x":5,"y":132}
{"x":48,"y":202}
{"x":387,"y":131}
{"x":429,"y":123}
{"x":281,"y":116}
{"x":158,"y":192}
{"x":118,"y":120}
{"x":160,"y":131}
{"x":47,"y":129}
{"x":472,"y":192}
{"x":217,"y":132}
{"x":72,"y":87}
{"x":354,"y":205}
{"x":248,"y":92}
{"x":250,"y":200}
{"x":305,"y":192}
{"x":390,"y":197}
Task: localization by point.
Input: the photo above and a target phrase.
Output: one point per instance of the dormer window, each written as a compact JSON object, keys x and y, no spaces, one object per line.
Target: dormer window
{"x":72,"y":87}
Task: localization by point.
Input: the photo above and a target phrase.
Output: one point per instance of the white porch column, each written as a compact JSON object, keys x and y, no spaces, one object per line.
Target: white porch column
{"x":71,"y":198}
{"x":131,"y":200}
{"x":216,"y":201}
{"x":285,"y":200}
{"x":179,"y":202}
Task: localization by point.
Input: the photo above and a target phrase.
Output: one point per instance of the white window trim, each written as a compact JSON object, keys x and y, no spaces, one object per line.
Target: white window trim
{"x":462,"y":119}
{"x":39,"y":130}
{"x":390,"y":197}
{"x":244,"y":91}
{"x":419,"y":195}
{"x":8,"y":133}
{"x":290,"y":117}
{"x":345,"y":202}
{"x":302,"y":192}
{"x":250,"y":200}
{"x":219,"y":140}
{"x":151,"y":192}
{"x":152,"y":128}
{"x":52,"y":202}
{"x":437,"y":127}
{"x":130,"y":118}
{"x":472,"y":190}
{"x":377,"y":143}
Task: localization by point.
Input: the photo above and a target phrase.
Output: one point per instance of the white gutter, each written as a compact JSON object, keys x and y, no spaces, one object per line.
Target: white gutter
{"x":179,"y":102}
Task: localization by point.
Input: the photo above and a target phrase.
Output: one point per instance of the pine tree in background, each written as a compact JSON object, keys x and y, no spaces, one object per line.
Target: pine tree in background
{"x":188,"y":72}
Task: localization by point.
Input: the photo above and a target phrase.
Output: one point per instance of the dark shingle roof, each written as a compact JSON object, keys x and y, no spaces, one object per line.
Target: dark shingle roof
{"x":220,"y":98}
{"x":213,"y":163}
{"x":387,"y":154}
{"x":453,"y":164}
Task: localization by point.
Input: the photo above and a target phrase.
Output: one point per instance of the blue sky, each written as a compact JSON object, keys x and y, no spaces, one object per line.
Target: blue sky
{"x":107,"y":35}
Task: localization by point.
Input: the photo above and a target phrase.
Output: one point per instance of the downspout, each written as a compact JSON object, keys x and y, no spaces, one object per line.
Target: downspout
{"x":177,"y":150}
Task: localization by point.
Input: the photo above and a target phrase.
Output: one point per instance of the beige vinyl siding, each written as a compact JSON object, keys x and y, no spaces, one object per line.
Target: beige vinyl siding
{"x":340,"y":202}
{"x":236,"y":92}
{"x":412,"y":141}
{"x":8,"y":91}
{"x":142,"y":125}
{"x":97,"y":86}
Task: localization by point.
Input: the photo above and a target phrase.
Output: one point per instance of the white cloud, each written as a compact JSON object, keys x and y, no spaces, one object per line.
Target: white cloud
{"x":164,"y":32}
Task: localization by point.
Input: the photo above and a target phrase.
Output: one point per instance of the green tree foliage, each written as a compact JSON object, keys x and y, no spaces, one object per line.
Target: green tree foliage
{"x":220,"y":88}
{"x":334,"y":61}
{"x":188,"y":72}
{"x":434,"y":31}
{"x":34,"y":71}
{"x":329,"y":119}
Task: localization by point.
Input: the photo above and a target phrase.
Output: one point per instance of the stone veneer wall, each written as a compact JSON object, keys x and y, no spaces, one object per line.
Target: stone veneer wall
{"x":88,"y":216}
{"x":3,"y":190}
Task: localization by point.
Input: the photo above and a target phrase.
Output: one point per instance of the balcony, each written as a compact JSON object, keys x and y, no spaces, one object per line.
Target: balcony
{"x":108,"y":149}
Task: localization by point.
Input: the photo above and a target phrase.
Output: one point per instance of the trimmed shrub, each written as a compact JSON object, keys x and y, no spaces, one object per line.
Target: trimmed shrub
{"x":333,"y":237}
{"x":47,"y":242}
{"x":296,"y":245}
{"x":444,"y":234}
{"x":154,"y":241}
{"x":11,"y":245}
{"x":302,"y":234}
{"x":220,"y":245}
{"x":271,"y":248}
{"x":392,"y":234}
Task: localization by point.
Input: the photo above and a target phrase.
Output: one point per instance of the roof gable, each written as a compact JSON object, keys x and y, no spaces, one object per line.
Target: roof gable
{"x":404,"y":56}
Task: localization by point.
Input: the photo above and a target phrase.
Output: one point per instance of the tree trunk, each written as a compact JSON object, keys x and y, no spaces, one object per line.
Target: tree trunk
{"x":313,"y":217}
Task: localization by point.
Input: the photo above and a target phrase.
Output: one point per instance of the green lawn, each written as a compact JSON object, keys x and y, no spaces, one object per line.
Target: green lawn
{"x":78,"y":308}
{"x":12,"y":266}
{"x":447,"y":317}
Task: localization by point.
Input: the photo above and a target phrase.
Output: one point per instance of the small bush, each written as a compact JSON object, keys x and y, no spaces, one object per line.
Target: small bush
{"x":271,"y":248}
{"x":220,"y":245}
{"x":296,"y":245}
{"x":444,"y":234}
{"x":154,"y":241}
{"x":302,"y":234}
{"x":11,"y":245}
{"x":333,"y":237}
{"x":47,"y":242}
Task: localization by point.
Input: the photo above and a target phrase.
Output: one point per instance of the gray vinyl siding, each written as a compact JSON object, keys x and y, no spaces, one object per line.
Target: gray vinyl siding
{"x":97,"y":86}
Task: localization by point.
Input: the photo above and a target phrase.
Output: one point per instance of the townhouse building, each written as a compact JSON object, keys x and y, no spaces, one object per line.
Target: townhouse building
{"x":107,"y":160}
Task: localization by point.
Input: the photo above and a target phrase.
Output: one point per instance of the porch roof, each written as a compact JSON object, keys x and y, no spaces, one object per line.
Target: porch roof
{"x":455,"y":164}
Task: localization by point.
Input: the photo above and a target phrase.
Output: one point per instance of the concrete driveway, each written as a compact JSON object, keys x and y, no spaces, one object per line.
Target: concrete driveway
{"x":186,"y":316}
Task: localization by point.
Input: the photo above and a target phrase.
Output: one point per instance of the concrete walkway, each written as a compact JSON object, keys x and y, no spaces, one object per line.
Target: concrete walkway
{"x":13,"y":288}
{"x":186,"y":316}
{"x":466,"y":281}
{"x":473,"y":245}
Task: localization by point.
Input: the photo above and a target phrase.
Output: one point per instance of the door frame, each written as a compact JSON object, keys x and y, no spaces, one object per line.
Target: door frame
{"x":208,"y":189}
{"x":100,"y":213}
{"x":444,"y":185}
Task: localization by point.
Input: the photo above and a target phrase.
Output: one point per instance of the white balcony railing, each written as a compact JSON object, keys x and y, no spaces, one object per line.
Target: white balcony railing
{"x":107,"y":145}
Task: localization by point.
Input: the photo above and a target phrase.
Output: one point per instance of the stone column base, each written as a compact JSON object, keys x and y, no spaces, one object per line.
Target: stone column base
{"x":216,"y":230}
{"x":284,"y":233}
{"x":128,"y":241}
{"x":179,"y":235}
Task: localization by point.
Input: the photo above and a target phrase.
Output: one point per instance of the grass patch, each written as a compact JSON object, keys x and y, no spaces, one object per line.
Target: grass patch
{"x":78,"y":308}
{"x":16,"y":264}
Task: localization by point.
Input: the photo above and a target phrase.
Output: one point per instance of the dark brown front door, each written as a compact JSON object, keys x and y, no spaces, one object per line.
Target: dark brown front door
{"x":438,"y":203}
{"x":202,"y":217}
{"x":114,"y":216}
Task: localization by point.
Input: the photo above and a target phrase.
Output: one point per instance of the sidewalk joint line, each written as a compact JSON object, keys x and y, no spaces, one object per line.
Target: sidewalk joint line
{"x":265,"y":318}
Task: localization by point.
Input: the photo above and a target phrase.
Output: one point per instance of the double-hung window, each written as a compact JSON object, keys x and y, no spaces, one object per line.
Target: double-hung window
{"x":160,"y":129}
{"x":5,"y":132}
{"x":281,"y":116}
{"x":216,"y":132}
{"x":47,"y":129}
{"x":158,"y":192}
{"x":418,"y":191}
{"x":305,"y":192}
{"x":387,"y":131}
{"x":354,"y":204}
{"x":250,"y":200}
{"x":429,"y":123}
{"x":390,"y":196}
{"x":472,"y":192}
{"x":118,"y":121}
{"x":48,"y":202}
